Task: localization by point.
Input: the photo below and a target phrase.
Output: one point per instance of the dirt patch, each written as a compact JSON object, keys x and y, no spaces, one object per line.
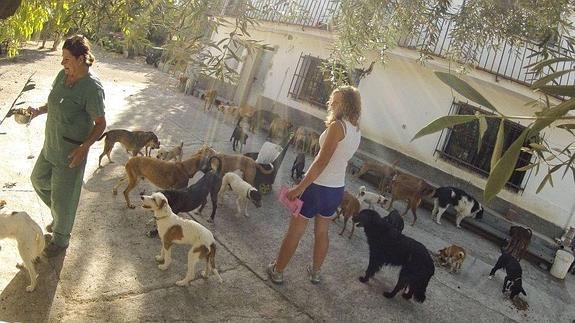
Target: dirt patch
{"x":520,"y":304}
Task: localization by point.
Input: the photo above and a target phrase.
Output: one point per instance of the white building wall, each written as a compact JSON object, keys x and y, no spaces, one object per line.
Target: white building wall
{"x":402,"y":97}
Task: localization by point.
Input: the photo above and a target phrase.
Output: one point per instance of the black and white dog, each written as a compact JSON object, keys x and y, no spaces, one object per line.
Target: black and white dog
{"x":297,"y":167}
{"x":513,"y":280}
{"x":464,"y":204}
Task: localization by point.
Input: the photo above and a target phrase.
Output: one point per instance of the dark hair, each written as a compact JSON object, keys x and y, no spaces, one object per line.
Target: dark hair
{"x":78,"y":45}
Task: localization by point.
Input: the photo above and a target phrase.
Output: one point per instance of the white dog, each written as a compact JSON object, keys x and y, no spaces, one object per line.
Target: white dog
{"x":20,"y":227}
{"x":175,"y":230}
{"x":175,"y":153}
{"x":243,"y":190}
{"x":371,"y":198}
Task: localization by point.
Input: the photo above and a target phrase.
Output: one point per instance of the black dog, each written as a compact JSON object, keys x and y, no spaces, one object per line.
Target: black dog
{"x":196,"y":195}
{"x":514,"y":272}
{"x":298,"y":166}
{"x":239,"y":135}
{"x":394,"y":219}
{"x":387,"y":246}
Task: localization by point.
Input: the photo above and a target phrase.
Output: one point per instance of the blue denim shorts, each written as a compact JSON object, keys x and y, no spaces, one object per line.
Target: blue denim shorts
{"x":321,"y":200}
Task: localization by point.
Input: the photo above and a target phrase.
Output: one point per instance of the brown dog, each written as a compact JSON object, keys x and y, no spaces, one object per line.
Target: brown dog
{"x":209,"y":99}
{"x":452,"y":256}
{"x":279,"y":128}
{"x":163,"y":174}
{"x":385,"y":173}
{"x":349,"y":208}
{"x":411,"y":189}
{"x":133,"y":141}
{"x":520,"y":239}
{"x":245,"y":164}
{"x":248,"y":114}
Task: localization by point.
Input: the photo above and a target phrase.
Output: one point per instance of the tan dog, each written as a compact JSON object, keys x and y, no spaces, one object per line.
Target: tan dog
{"x":229,"y":110}
{"x":245,"y":164}
{"x":385,"y":173}
{"x":175,"y":153}
{"x":349,"y":208}
{"x":279,"y":128}
{"x":300,"y":138}
{"x":411,"y":189}
{"x":314,"y":147}
{"x":248,"y":114}
{"x":452,"y":256}
{"x":133,"y":141}
{"x":209,"y":99}
{"x":163,"y":174}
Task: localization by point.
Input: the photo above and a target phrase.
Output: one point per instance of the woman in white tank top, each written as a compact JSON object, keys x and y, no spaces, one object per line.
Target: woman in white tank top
{"x":322,"y":188}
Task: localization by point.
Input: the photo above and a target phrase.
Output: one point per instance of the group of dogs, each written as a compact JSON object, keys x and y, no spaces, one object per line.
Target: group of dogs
{"x":171,"y":174}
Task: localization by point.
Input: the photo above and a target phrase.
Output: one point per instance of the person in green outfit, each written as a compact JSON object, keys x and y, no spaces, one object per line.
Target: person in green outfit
{"x":75,"y":121}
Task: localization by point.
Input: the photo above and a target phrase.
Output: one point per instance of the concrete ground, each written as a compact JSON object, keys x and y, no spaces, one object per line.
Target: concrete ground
{"x":109,"y":273}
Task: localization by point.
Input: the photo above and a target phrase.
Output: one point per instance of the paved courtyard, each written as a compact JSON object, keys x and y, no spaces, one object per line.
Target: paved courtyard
{"x":109,"y":273}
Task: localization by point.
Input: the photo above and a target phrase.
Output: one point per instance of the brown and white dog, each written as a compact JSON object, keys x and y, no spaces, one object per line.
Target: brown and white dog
{"x":209,"y":99}
{"x":411,"y":189}
{"x":133,"y":141}
{"x":452,"y":256}
{"x":384,"y":172}
{"x":349,"y":208}
{"x":175,"y":230}
{"x":20,"y":227}
{"x":175,"y":153}
{"x":243,"y":191}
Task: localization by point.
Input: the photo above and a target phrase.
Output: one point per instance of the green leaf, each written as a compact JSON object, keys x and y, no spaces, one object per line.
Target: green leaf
{"x":504,"y":168}
{"x":526,"y":167}
{"x":564,"y":90}
{"x":567,"y":126}
{"x":551,"y":115}
{"x":538,"y":66}
{"x":498,"y":148}
{"x":482,"y":130}
{"x":29,"y":87}
{"x":464,"y":89}
{"x":538,"y":146}
{"x":542,"y":184}
{"x":555,"y":168}
{"x":442,"y":123}
{"x":548,"y":78}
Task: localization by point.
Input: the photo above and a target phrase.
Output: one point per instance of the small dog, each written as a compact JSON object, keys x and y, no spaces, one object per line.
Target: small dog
{"x":209,"y":99}
{"x":371,"y":198}
{"x":520,"y":239}
{"x":297,"y":167}
{"x":20,"y":227}
{"x":387,"y":246}
{"x":243,"y":190}
{"x":279,"y":128}
{"x":163,"y":174}
{"x":513,"y":280}
{"x":175,"y":230}
{"x":133,"y":141}
{"x":349,"y":208}
{"x":385,"y":173}
{"x":238,"y":136}
{"x":411,"y":189}
{"x":452,"y":256}
{"x":464,"y":204}
{"x":175,"y":153}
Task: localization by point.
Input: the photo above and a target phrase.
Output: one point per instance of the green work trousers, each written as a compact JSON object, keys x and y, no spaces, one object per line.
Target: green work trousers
{"x":59,"y":188}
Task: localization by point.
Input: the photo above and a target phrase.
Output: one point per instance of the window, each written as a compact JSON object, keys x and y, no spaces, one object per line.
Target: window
{"x":461,"y":146}
{"x":311,"y":84}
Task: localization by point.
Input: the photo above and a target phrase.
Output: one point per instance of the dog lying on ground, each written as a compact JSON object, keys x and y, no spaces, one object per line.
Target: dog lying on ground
{"x":513,"y":280}
{"x":245,"y":164}
{"x":175,"y":230}
{"x":243,"y":190}
{"x":520,"y":239}
{"x":20,"y":227}
{"x":133,"y":141}
{"x":297,"y":167}
{"x":279,"y":128}
{"x":349,"y":208}
{"x":464,"y":204}
{"x":209,"y":99}
{"x":371,"y":198}
{"x":411,"y":189}
{"x":163,"y":174}
{"x":175,"y":153}
{"x":385,"y":173}
{"x":452,"y":256}
{"x":238,"y":136}
{"x":387,"y":246}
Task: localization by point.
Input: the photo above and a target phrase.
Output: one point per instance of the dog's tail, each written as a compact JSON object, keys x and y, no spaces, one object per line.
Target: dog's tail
{"x":103,"y":135}
{"x":419,"y":289}
{"x":212,"y":261}
{"x":460,"y":256}
{"x":40,"y":244}
{"x":265,"y":171}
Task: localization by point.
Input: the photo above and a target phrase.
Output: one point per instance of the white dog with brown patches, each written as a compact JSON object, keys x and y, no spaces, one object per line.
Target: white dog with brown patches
{"x":175,"y":230}
{"x":20,"y":227}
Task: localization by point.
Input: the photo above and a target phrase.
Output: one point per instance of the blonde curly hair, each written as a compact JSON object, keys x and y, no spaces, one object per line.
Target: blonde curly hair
{"x":348,"y":107}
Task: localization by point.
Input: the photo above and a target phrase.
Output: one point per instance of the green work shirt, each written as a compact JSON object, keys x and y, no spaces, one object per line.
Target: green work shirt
{"x":71,"y":115}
